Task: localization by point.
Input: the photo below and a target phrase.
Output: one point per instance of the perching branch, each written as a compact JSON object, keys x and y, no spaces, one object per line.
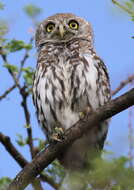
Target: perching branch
{"x":122,"y":84}
{"x":45,"y":157}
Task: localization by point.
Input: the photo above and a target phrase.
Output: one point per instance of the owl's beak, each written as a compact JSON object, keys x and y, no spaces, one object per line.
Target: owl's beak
{"x":61,"y":31}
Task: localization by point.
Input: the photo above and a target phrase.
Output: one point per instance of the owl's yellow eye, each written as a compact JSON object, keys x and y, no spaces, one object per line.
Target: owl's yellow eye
{"x":73,"y":25}
{"x":50,"y":27}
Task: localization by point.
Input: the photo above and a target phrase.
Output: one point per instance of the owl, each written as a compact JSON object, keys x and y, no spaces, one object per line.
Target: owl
{"x":70,"y":80}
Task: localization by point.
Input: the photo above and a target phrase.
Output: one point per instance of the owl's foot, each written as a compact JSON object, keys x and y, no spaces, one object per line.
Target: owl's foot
{"x":57,"y":135}
{"x":81,"y":115}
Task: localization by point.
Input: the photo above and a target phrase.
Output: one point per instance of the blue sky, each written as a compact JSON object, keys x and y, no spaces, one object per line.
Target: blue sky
{"x":112,"y":30}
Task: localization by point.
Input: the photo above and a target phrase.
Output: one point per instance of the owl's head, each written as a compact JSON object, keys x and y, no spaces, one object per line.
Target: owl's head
{"x":63,"y":28}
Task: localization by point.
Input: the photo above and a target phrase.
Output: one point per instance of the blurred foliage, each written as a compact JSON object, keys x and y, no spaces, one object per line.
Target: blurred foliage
{"x":3,"y":30}
{"x":11,"y":68}
{"x":4,"y":182}
{"x":56,"y":171}
{"x":3,"y":26}
{"x":130,"y":5}
{"x":113,"y":173}
{"x":1,"y":6}
{"x":17,"y":45}
{"x":106,"y":174}
{"x":127,"y":6}
{"x":32,"y":10}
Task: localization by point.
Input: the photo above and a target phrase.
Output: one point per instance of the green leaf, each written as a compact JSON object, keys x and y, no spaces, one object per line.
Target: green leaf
{"x":129,"y":4}
{"x":16,"y":45}
{"x":41,"y":144}
{"x":27,"y":126}
{"x":20,"y":141}
{"x":132,"y":17}
{"x":3,"y":28}
{"x":32,"y":10}
{"x":28,"y":75}
{"x":4,"y":183}
{"x":10,"y":67}
{"x":1,"y":6}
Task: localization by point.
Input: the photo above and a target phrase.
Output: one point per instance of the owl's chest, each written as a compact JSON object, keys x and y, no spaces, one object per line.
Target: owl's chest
{"x":72,"y":80}
{"x":66,"y":86}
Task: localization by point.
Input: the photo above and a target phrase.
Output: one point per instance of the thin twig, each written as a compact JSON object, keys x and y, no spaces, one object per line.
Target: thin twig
{"x":123,"y":84}
{"x":25,"y":57}
{"x":7,"y":91}
{"x":13,"y":75}
{"x":45,"y":157}
{"x":24,"y":95}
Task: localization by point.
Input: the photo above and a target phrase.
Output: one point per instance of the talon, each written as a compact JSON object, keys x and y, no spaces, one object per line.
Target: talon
{"x":59,"y":130}
{"x":81,"y":115}
{"x":55,"y":137}
{"x":57,"y":134}
{"x":84,"y":113}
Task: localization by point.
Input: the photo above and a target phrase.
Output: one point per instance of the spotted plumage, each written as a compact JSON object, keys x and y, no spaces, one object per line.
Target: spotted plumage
{"x":69,"y":79}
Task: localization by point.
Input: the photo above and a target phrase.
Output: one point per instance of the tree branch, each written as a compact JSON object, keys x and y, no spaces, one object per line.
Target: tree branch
{"x":7,"y":92}
{"x":45,"y":157}
{"x":24,"y":95}
{"x":49,"y":180}
{"x":25,"y":57}
{"x":123,"y":84}
{"x":5,"y":140}
{"x":4,"y":57}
